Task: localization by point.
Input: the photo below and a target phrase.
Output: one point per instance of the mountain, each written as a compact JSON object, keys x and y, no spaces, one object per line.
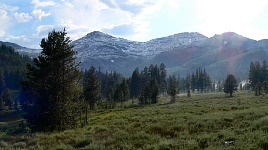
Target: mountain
{"x":111,"y":53}
{"x":183,"y":52}
{"x":22,"y":50}
{"x":220,"y":54}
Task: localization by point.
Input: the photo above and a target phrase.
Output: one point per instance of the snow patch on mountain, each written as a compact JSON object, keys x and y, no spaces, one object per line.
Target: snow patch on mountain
{"x":99,"y":45}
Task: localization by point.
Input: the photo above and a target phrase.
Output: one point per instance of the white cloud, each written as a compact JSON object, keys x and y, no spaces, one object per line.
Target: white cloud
{"x":5,"y":21}
{"x":43,"y":29}
{"x":20,"y":39}
{"x":85,"y":16}
{"x":22,"y":17}
{"x":2,"y":33}
{"x":8,"y":8}
{"x":222,"y":16}
{"x":37,"y":3}
{"x":38,"y":13}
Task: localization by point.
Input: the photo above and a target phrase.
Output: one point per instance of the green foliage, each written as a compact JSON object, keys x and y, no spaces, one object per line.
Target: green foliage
{"x":150,"y":92}
{"x":162,"y":80}
{"x":2,"y":87}
{"x":91,"y":87}
{"x":53,"y":87}
{"x":230,"y":85}
{"x":135,"y":84}
{"x":172,"y":88}
{"x":7,"y":99}
{"x":200,"y":80}
{"x":206,"y":121}
{"x":139,"y":80}
{"x":13,"y":66}
{"x":122,"y":92}
{"x":258,"y":74}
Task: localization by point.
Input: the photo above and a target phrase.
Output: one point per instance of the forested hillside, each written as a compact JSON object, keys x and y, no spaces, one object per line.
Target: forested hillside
{"x":13,"y":66}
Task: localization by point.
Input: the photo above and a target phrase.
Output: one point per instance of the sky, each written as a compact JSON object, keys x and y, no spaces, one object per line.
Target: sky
{"x":26,"y":22}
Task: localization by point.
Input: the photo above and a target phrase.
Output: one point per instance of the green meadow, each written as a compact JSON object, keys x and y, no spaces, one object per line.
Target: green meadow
{"x":203,"y":121}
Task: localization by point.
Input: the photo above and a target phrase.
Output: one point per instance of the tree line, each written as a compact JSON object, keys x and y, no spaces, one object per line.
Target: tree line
{"x":258,"y":77}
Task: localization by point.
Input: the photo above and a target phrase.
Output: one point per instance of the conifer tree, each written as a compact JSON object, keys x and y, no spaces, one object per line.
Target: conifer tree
{"x":145,"y":95}
{"x":91,"y":87}
{"x":91,"y":90}
{"x":172,"y":88}
{"x":110,"y":94}
{"x":163,"y":75}
{"x":53,"y":85}
{"x":2,"y":87}
{"x":135,"y":83}
{"x":125,"y":90}
{"x":154,"y":90}
{"x":230,"y":85}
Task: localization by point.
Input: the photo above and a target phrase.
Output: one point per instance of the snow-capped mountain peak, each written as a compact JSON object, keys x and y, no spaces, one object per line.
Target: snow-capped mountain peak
{"x":101,"y":45}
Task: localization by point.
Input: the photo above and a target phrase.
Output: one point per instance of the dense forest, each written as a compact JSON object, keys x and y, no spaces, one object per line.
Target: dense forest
{"x":13,"y":66}
{"x":54,"y":93}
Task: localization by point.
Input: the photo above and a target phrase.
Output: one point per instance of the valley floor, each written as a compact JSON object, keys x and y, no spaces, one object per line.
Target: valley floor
{"x":203,"y":121}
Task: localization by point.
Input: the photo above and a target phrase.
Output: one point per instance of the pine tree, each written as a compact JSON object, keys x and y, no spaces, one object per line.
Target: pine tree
{"x":135,"y":84}
{"x":163,"y":75}
{"x":258,"y":89}
{"x":255,"y":74}
{"x":172,"y":88}
{"x":145,"y":95}
{"x":53,"y":84}
{"x":91,"y":90}
{"x":125,"y":90}
{"x":110,"y":94}
{"x":264,"y":71}
{"x":154,"y":90}
{"x":230,"y":85}
{"x":91,"y":87}
{"x":2,"y":87}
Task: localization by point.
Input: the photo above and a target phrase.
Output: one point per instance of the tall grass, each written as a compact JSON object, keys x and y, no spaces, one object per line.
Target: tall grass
{"x":204,"y":121}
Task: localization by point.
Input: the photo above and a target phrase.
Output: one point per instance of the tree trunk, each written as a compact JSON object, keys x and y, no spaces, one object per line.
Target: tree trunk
{"x":86,"y":115}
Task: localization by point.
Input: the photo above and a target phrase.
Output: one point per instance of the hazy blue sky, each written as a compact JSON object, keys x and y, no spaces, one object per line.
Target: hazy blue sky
{"x":26,"y":22}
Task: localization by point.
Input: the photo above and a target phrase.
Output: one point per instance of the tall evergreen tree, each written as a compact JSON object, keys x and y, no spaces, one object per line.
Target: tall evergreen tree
{"x":125,"y":90}
{"x":2,"y":87}
{"x":230,"y":85}
{"x":110,"y":94}
{"x":53,"y":84}
{"x":135,"y":84}
{"x":91,"y":87}
{"x":264,"y":71}
{"x":154,"y":90}
{"x":254,"y":73}
{"x":172,"y":88}
{"x":163,"y":75}
{"x":91,"y":90}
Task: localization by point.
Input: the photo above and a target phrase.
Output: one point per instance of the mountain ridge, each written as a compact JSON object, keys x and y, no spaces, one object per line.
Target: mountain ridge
{"x":180,"y":52}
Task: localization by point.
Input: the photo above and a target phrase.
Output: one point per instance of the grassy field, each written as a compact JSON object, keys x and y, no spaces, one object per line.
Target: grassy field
{"x":205,"y":121}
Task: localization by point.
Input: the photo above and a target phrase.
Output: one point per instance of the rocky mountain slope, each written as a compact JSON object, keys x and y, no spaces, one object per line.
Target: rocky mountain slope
{"x":111,"y":53}
{"x":220,"y":54}
{"x":182,"y":53}
{"x":22,"y":50}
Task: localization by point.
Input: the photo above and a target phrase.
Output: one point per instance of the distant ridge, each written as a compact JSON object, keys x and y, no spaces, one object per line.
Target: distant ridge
{"x":182,"y":53}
